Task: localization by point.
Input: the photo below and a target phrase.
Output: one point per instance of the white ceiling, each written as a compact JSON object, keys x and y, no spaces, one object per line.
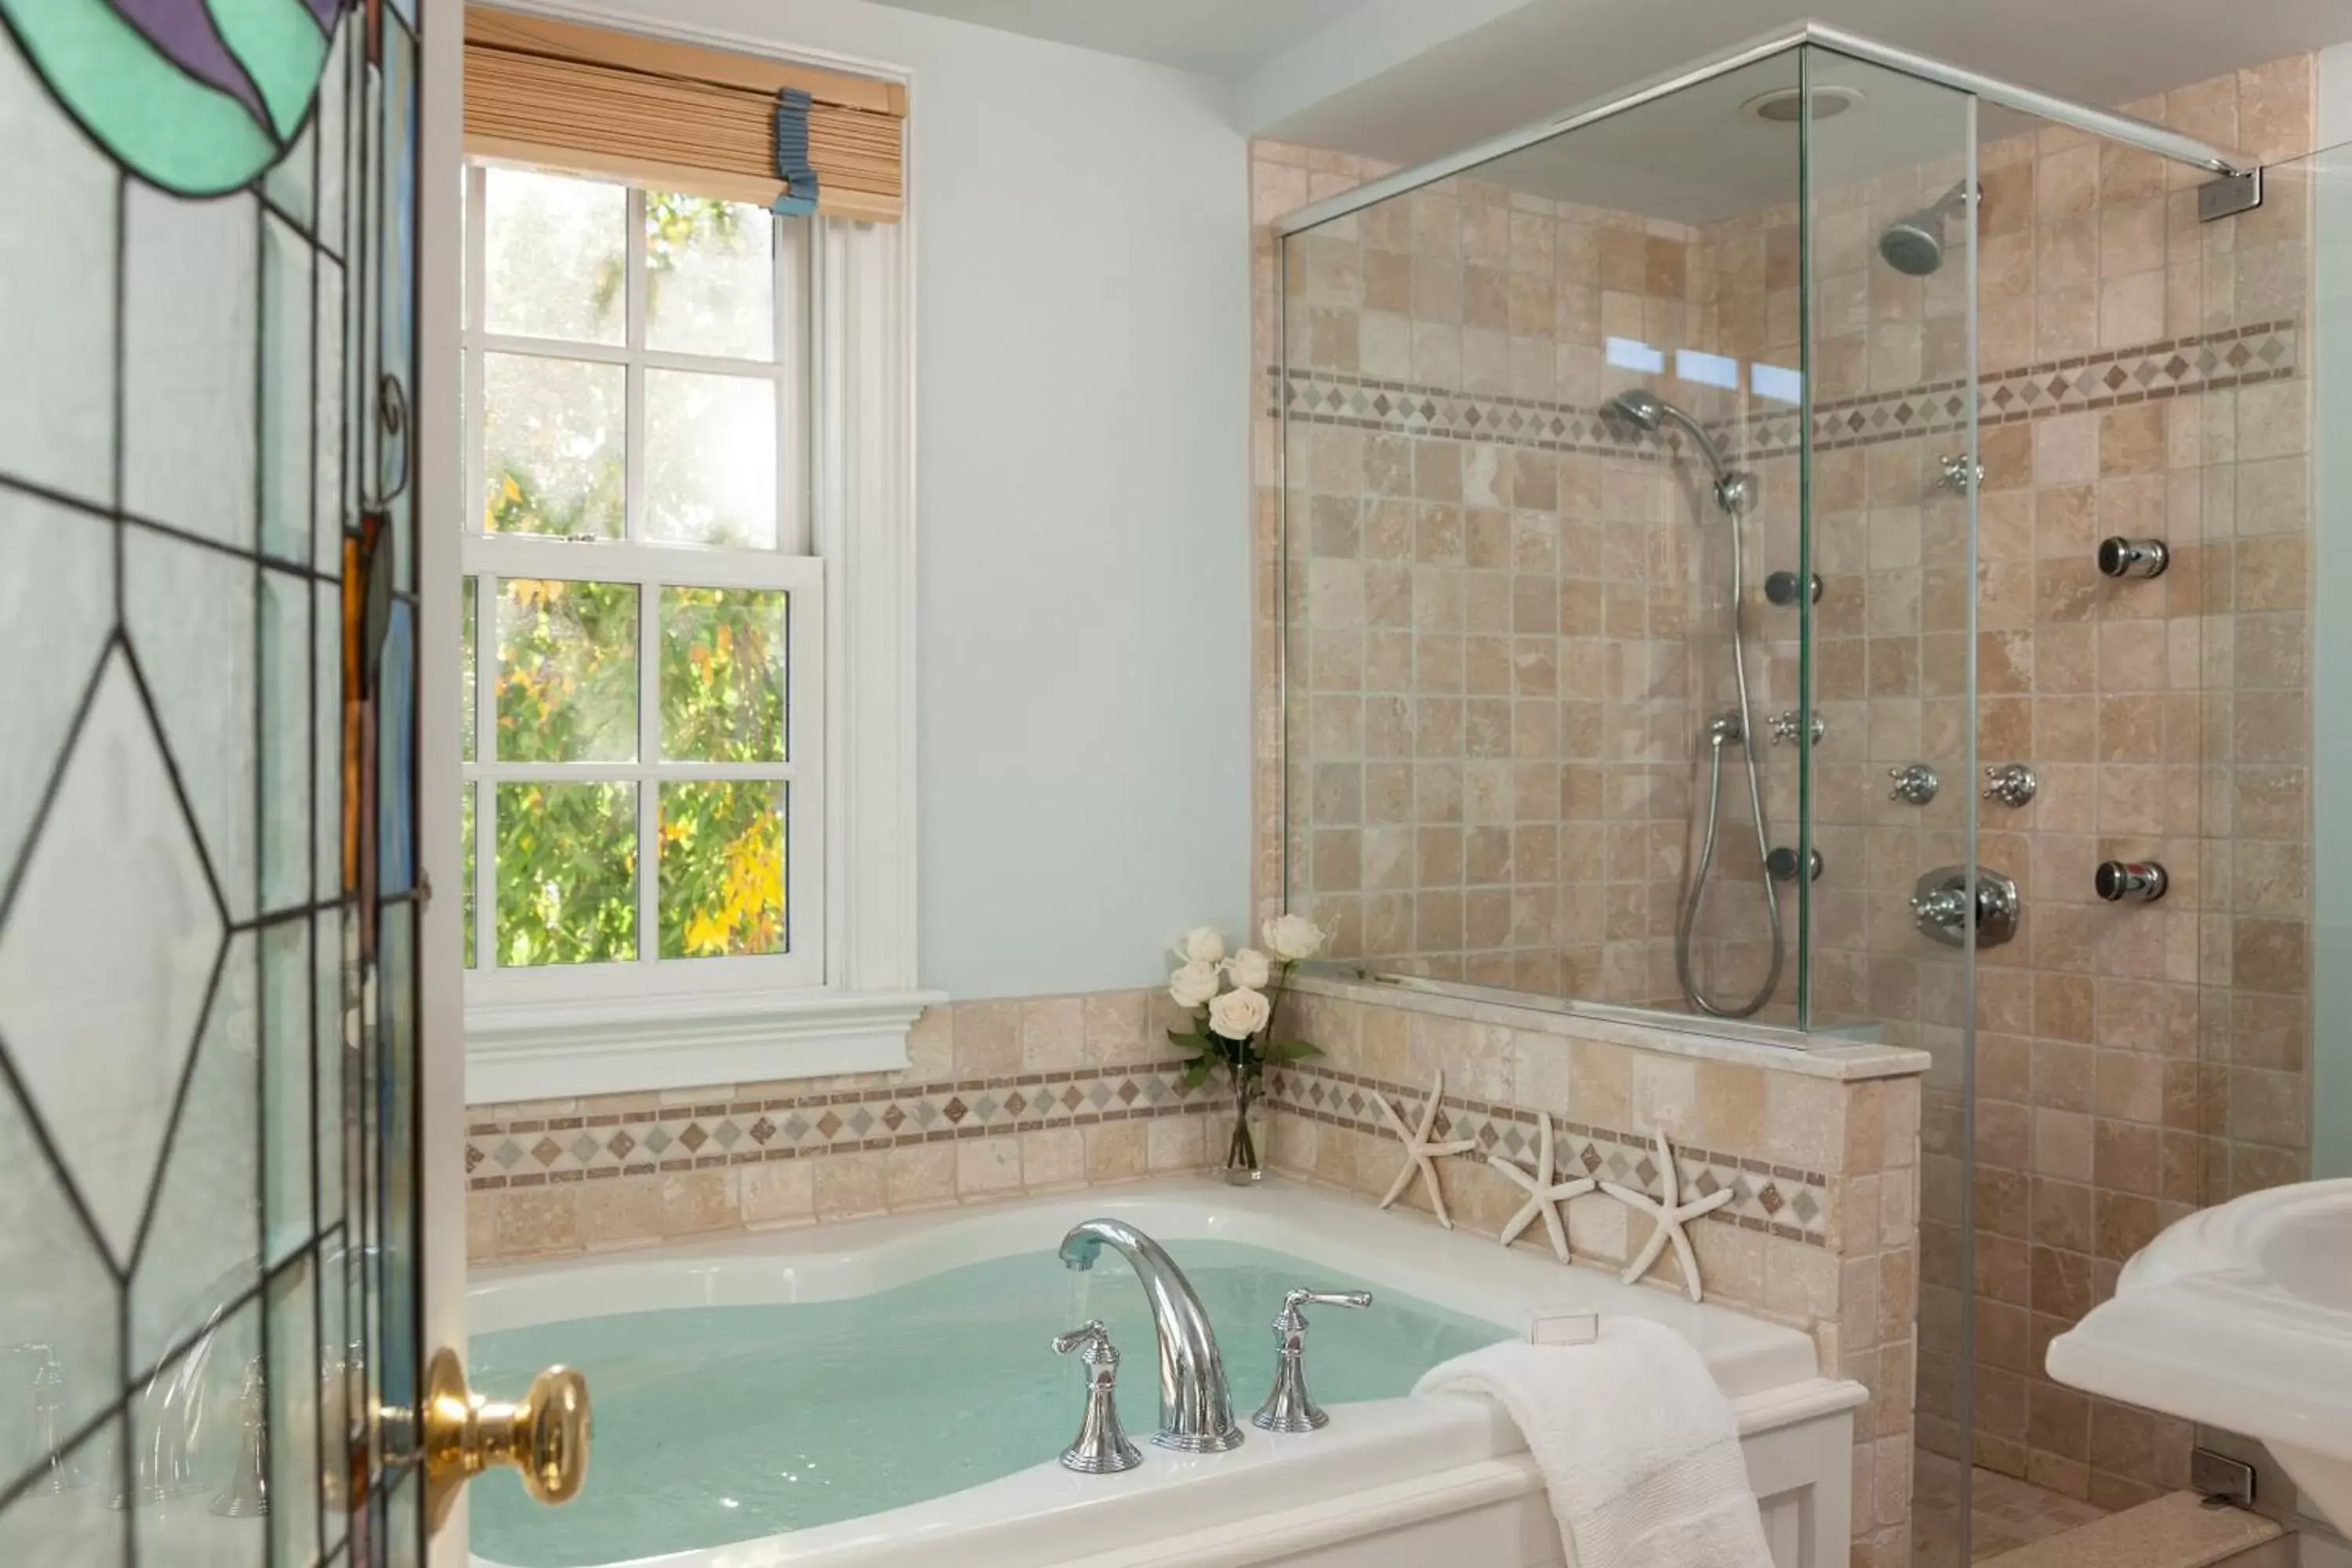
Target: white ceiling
{"x":1546,"y":55}
{"x":1215,"y":38}
{"x":1537,"y":58}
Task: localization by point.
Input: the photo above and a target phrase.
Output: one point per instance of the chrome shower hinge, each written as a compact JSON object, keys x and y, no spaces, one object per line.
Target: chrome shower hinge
{"x":2229,"y":195}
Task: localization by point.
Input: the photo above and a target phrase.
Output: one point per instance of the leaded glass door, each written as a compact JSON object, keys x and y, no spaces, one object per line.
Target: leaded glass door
{"x":210,"y":896}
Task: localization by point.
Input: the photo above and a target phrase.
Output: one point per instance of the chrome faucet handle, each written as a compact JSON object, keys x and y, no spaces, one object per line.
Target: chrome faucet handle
{"x":2011,"y":783}
{"x":1101,"y":1446}
{"x":1288,"y":1407}
{"x":1915,"y":782}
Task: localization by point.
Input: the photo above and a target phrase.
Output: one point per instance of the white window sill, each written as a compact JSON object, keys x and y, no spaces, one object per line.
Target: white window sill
{"x":540,"y":1050}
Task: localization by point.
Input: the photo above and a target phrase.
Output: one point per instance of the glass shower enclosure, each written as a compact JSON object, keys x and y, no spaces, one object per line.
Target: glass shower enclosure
{"x":1692,"y":611}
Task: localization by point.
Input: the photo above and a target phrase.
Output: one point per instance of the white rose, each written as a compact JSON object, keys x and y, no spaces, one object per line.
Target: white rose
{"x":1249,"y":967}
{"x":1201,"y":944}
{"x":1238,"y":1014}
{"x":1293,"y":937}
{"x":1193,"y":984}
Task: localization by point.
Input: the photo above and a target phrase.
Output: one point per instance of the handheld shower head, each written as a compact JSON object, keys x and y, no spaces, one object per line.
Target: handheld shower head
{"x":1639,"y":407}
{"x":1914,"y":244}
{"x":1649,"y":412}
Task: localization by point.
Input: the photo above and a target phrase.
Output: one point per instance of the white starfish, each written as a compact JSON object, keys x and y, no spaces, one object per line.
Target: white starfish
{"x":1420,"y":1153}
{"x":1544,"y":1191}
{"x":1671,"y":1215}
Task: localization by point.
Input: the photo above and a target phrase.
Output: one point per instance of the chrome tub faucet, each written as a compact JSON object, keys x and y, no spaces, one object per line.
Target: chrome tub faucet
{"x":1196,"y":1406}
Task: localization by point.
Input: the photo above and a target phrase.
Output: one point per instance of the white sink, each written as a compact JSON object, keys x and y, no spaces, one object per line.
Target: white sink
{"x":2239,"y":1316}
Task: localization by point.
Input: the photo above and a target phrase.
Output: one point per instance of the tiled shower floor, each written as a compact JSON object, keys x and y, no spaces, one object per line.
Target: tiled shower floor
{"x":2005,"y":1513}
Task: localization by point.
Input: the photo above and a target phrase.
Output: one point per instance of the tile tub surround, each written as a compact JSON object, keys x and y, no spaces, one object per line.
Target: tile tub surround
{"x":1820,"y":1149}
{"x":1001,"y":1098}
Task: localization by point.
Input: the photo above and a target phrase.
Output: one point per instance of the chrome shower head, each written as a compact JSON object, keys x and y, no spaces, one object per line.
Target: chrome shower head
{"x":1911,"y":247}
{"x":1914,"y":244}
{"x":1639,"y":407}
{"x":1649,"y":412}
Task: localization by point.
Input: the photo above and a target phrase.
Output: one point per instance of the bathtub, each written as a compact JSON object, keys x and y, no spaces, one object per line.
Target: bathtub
{"x":1390,"y":1483}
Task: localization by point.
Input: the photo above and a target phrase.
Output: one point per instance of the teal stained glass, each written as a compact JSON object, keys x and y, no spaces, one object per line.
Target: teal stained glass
{"x":195,"y":98}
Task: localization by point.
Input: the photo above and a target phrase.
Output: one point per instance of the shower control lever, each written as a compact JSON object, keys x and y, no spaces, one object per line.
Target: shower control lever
{"x":2131,"y":881}
{"x":2011,"y":783}
{"x":1288,"y":1407}
{"x":1915,"y":782}
{"x":1101,"y":1446}
{"x":1939,"y":907}
{"x":1787,"y":726}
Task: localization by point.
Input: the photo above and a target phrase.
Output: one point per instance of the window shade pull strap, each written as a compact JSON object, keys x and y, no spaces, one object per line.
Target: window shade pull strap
{"x":793,"y":166}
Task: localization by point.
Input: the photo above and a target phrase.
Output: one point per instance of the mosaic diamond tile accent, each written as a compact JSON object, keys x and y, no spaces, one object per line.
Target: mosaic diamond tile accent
{"x":1324,"y":1094}
{"x":2236,"y":356}
{"x":500,"y":1153}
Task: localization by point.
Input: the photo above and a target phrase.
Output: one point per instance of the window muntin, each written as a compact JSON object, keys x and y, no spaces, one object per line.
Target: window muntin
{"x":644,"y":641}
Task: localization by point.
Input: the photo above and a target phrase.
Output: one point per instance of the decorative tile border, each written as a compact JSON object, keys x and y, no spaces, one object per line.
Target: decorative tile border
{"x":538,"y":1151}
{"x":2170,"y":367}
{"x":1364,"y":402}
{"x":1779,"y":1200}
{"x":2148,"y":373}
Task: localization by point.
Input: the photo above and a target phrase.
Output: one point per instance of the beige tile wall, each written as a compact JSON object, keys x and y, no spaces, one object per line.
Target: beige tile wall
{"x":1492,"y":590}
{"x":1001,"y":1098}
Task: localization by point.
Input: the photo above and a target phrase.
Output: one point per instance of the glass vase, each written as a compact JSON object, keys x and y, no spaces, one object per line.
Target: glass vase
{"x":1244,"y":1162}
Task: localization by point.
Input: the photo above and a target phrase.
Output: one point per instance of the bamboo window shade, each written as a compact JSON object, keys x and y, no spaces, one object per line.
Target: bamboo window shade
{"x":675,"y":116}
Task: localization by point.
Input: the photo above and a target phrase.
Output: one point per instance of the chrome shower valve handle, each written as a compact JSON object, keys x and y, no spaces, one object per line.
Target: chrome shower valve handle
{"x":1915,"y":782}
{"x":1288,"y":1407}
{"x":1787,"y":726}
{"x":1101,"y":1446}
{"x":2011,"y":783}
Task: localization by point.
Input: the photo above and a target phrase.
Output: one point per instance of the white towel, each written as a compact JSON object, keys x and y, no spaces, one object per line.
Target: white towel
{"x":1637,"y":1445}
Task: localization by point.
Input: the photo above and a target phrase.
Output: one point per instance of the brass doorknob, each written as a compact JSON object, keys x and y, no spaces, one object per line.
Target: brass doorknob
{"x":545,"y":1434}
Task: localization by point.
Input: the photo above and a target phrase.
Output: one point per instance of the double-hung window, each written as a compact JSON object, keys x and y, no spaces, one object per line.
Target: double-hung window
{"x":644,"y":650}
{"x":687,"y":551}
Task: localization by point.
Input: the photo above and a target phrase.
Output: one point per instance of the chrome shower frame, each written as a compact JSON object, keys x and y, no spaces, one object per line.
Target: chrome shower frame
{"x":2229,"y":163}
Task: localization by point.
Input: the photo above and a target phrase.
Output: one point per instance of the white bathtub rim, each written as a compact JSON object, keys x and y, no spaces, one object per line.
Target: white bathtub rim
{"x":1405,"y":1252}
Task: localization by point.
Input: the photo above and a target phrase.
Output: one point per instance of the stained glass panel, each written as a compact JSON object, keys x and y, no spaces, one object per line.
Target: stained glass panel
{"x":210,"y":250}
{"x":57,"y":431}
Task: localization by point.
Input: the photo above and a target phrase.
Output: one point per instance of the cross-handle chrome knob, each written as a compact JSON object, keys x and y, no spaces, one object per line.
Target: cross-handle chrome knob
{"x":1787,"y":726}
{"x":1915,"y":782}
{"x":1959,"y":476}
{"x":1101,"y":1447}
{"x":2011,"y":783}
{"x":1288,"y":1407}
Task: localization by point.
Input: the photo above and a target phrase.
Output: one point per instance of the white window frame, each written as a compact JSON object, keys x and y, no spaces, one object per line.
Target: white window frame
{"x":566,"y":1031}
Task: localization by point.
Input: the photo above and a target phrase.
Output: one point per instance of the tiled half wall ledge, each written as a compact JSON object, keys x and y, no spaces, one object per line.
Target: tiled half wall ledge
{"x":1819,"y":1147}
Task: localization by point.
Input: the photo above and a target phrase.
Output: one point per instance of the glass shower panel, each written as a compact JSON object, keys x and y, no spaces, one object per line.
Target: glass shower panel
{"x":1528,"y":416}
{"x":2265,"y":1100}
{"x":1888,"y":653}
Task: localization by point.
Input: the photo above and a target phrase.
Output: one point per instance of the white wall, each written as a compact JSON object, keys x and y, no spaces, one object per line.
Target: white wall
{"x":1082,"y":372}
